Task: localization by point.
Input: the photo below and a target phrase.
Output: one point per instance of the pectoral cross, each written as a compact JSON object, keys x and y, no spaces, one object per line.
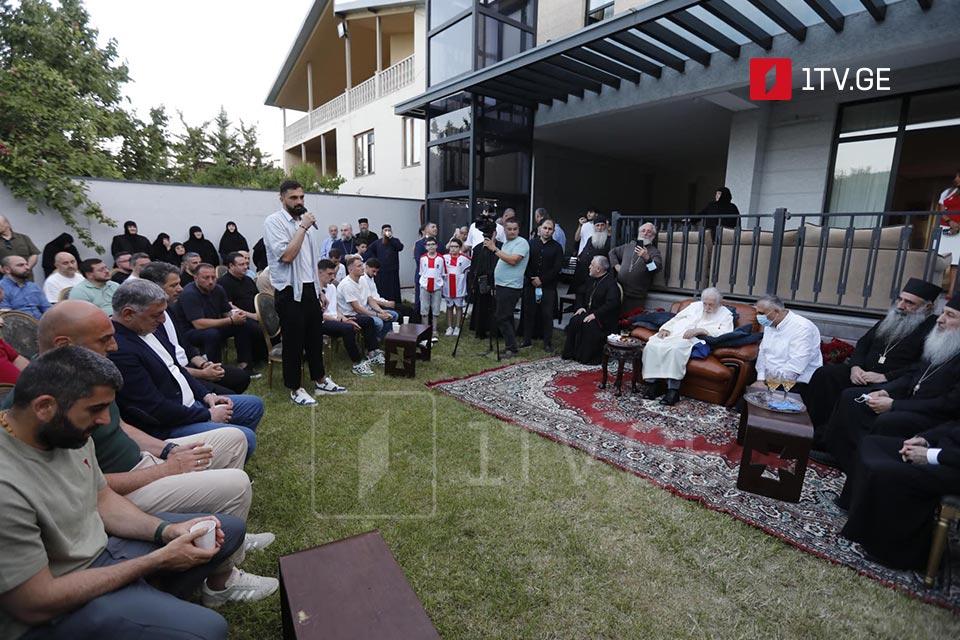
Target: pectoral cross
{"x":881,"y":359}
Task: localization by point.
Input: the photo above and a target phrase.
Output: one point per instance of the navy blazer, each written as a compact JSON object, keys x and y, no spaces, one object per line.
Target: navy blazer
{"x":151,"y":398}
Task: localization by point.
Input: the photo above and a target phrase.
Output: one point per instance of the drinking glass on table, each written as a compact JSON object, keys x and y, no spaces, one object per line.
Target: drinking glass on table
{"x":772,"y":379}
{"x":787,"y":379}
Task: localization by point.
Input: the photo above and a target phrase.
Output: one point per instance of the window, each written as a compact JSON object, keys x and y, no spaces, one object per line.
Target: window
{"x":598,"y":10}
{"x":450,"y":51}
{"x":363,"y":151}
{"x":412,"y":142}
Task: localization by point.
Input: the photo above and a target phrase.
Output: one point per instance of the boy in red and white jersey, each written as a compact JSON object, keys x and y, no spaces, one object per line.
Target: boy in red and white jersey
{"x":455,"y":285}
{"x":432,"y":270}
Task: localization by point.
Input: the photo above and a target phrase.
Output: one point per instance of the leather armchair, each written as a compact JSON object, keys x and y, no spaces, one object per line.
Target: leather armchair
{"x":721,"y":377}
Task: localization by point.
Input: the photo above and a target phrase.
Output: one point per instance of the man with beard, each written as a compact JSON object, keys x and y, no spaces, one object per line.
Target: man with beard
{"x":666,"y":354}
{"x":75,"y":552}
{"x":97,"y":287}
{"x":558,"y":235}
{"x":293,"y":251}
{"x":921,"y":397}
{"x":387,"y":250}
{"x":19,"y":293}
{"x":365,"y":235}
{"x":347,"y":244}
{"x":635,"y":264}
{"x":65,"y":276}
{"x":598,"y":245}
{"x":595,"y":317}
{"x":893,"y":343}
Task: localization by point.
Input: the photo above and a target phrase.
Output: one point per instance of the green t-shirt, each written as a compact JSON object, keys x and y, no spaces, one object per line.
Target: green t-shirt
{"x":116,"y":451}
{"x":48,"y":514}
{"x":506,"y":275}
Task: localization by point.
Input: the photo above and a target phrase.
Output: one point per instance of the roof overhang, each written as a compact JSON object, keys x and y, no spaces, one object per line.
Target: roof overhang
{"x":309,"y":24}
{"x":644,"y":41}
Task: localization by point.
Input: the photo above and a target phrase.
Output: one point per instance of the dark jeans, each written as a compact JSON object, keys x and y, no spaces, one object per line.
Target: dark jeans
{"x":507,"y":298}
{"x":371,"y":338}
{"x":346,"y":332}
{"x":141,"y":611}
{"x":538,"y":314}
{"x":301,"y":325}
{"x":249,"y":341}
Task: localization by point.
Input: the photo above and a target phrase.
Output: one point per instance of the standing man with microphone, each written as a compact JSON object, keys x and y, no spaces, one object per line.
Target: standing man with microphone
{"x":292,"y":240}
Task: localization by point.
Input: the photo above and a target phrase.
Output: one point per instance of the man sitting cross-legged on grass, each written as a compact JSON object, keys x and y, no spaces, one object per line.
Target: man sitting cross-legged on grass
{"x":158,"y":394}
{"x":338,"y":325}
{"x":224,"y":380}
{"x":75,"y":553}
{"x":195,"y":474}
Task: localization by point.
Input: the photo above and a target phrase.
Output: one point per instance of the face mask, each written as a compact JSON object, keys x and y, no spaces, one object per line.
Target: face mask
{"x":764,"y":320}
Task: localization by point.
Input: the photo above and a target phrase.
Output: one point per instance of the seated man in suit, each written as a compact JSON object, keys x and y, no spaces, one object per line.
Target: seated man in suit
{"x":598,"y":306}
{"x":923,"y":396}
{"x":893,"y":343}
{"x":207,"y":319}
{"x":895,"y":489}
{"x":666,"y":353}
{"x":158,"y":394}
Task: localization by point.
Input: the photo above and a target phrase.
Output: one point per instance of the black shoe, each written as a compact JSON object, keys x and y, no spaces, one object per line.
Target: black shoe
{"x":509,"y":354}
{"x":825,"y":458}
{"x":548,"y":348}
{"x":653,"y":391}
{"x":671,"y":398}
{"x":526,"y":345}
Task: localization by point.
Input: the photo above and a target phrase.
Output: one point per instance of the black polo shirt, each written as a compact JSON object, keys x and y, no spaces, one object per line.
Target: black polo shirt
{"x":193,"y":305}
{"x":240,"y":291}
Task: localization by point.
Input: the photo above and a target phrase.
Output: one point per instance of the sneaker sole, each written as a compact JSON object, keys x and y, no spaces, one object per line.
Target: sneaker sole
{"x":329,"y":393}
{"x":303,"y":404}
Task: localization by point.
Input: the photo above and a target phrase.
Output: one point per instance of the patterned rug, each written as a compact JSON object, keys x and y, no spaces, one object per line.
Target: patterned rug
{"x":689,"y":449}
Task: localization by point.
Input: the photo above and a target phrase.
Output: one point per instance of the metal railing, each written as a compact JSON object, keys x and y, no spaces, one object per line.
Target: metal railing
{"x":380,"y":84}
{"x":847,"y":265}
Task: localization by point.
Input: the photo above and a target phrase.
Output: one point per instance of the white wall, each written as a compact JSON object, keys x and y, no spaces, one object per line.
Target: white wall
{"x":174,"y":208}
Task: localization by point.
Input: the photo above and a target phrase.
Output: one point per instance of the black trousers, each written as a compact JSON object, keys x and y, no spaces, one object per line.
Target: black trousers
{"x":301,"y":326}
{"x":346,"y":332}
{"x":233,"y":383}
{"x":249,"y":341}
{"x":507,"y":298}
{"x":538,"y":316}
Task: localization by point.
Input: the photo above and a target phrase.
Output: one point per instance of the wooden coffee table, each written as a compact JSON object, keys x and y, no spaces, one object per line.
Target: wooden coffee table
{"x":632,"y":352}
{"x":786,"y":435}
{"x":405,"y":346}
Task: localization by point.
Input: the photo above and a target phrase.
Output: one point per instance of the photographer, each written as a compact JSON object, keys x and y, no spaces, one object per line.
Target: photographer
{"x":480,"y":285}
{"x":508,"y":277}
{"x":483,"y":228}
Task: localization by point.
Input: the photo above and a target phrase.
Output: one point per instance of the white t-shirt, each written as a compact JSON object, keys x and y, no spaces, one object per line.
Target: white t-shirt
{"x":474,"y":237}
{"x":586,"y":231}
{"x":371,"y":285}
{"x":55,"y":283}
{"x":186,"y":392}
{"x":172,"y":337}
{"x":331,"y":292}
{"x":349,"y":291}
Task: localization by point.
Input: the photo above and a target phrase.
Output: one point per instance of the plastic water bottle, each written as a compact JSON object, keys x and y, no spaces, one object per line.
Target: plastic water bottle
{"x":538,"y":294}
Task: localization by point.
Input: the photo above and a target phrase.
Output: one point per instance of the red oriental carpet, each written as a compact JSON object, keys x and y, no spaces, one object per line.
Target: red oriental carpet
{"x":689,"y":449}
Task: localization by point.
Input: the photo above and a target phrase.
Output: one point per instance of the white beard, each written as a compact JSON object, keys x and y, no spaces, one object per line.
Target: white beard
{"x":941,"y":346}
{"x":896,"y":325}
{"x":599,"y":239}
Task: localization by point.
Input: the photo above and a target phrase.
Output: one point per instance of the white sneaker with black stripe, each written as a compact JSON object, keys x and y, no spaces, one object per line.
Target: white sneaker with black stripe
{"x":362,"y":369}
{"x":329,"y":387}
{"x":302,"y":398}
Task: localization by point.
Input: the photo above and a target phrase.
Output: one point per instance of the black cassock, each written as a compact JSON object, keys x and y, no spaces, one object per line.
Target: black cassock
{"x":585,"y":340}
{"x":823,"y":391}
{"x":924,"y":396}
{"x":387,"y":250}
{"x":581,"y":277}
{"x":893,"y":502}
{"x":480,"y":289}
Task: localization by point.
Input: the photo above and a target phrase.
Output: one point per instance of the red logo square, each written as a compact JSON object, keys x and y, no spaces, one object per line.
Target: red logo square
{"x":782,"y":86}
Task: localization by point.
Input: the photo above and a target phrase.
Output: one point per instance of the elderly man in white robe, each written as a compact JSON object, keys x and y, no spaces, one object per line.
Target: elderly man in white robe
{"x":666,"y":354}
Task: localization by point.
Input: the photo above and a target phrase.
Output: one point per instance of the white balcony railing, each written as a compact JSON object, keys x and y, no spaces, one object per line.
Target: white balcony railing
{"x":381,"y":84}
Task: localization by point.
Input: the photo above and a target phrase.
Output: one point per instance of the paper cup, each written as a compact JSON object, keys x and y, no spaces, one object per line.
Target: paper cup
{"x":209,"y":539}
{"x":406,"y":319}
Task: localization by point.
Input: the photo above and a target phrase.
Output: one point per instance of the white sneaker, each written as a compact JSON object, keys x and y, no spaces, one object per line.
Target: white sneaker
{"x":378,"y":358}
{"x":362,"y":369}
{"x":241,"y":587}
{"x":449,"y":331}
{"x":302,"y":398}
{"x":329,"y":387}
{"x":257,"y":541}
{"x":456,"y":331}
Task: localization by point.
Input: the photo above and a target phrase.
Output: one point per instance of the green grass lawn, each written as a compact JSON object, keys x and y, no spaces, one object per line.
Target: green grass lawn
{"x":504,"y":534}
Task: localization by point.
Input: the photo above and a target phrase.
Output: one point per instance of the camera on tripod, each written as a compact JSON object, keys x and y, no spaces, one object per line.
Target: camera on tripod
{"x":487,"y":224}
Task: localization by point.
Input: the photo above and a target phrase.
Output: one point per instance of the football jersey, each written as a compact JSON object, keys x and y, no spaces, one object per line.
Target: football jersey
{"x":455,"y":282}
{"x":431,"y":272}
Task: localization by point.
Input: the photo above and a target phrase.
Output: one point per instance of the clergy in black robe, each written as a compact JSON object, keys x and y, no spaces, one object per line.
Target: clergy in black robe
{"x":598,"y":308}
{"x":891,"y":345}
{"x":635,"y":264}
{"x":365,"y":235}
{"x":721,"y":212}
{"x":198,"y":244}
{"x":599,"y":245}
{"x":923,"y":396}
{"x":894,"y":491}
{"x":129,"y":240}
{"x":480,"y":289}
{"x":387,"y":250}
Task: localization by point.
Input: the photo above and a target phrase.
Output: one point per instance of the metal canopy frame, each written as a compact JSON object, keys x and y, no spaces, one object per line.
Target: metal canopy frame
{"x":646,"y":41}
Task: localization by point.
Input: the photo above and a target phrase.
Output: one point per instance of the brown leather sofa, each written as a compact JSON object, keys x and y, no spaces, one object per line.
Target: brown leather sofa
{"x":721,"y":377}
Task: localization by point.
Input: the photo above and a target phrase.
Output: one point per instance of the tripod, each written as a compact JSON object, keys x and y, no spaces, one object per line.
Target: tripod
{"x":492,"y":336}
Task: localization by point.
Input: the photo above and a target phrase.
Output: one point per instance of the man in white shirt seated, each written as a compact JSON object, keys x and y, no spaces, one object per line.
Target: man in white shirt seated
{"x":370,"y":270}
{"x":65,"y":276}
{"x":666,"y":354}
{"x":354,"y":302}
{"x":790,"y":345}
{"x":336,"y":324}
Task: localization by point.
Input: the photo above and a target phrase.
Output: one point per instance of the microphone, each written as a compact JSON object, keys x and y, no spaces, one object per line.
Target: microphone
{"x":302,"y":210}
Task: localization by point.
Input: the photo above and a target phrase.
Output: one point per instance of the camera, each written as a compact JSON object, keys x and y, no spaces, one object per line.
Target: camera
{"x":487,"y":225}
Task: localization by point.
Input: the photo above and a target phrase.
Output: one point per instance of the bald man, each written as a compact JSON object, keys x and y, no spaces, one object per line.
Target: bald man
{"x":66,"y":275}
{"x":194,"y":474}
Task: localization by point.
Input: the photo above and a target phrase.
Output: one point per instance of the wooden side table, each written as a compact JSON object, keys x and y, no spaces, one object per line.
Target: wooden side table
{"x":633,"y":352}
{"x":404,"y":347}
{"x":786,"y":435}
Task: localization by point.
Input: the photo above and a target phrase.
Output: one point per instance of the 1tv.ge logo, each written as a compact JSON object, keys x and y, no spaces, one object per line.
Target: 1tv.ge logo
{"x":772,"y":79}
